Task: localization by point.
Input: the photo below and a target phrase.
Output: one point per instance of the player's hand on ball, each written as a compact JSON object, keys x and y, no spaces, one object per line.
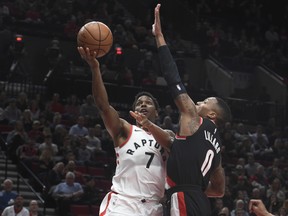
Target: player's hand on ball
{"x":89,"y":57}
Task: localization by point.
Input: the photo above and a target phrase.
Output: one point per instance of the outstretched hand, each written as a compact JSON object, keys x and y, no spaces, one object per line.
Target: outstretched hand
{"x":257,"y":206}
{"x":89,"y":57}
{"x":156,"y":27}
{"x":141,"y":119}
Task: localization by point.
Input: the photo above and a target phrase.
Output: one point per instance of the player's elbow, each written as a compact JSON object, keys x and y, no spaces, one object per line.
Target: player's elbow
{"x":219,"y":192}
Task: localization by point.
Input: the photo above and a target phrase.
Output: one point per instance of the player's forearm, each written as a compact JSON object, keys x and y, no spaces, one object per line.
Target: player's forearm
{"x":160,"y":40}
{"x":170,"y":72}
{"x":162,"y":137}
{"x":98,"y":89}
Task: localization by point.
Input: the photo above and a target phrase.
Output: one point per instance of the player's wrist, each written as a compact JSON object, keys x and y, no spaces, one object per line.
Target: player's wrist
{"x":147,"y":124}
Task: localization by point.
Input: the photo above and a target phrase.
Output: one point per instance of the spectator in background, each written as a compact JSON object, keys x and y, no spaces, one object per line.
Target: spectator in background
{"x":94,"y":143}
{"x":56,"y":104}
{"x":28,"y":152}
{"x":228,"y":144}
{"x":45,"y":162}
{"x":17,"y":133}
{"x":91,"y":192}
{"x":34,"y":208}
{"x":224,"y":212}
{"x":72,"y":108}
{"x":22,"y":101}
{"x":251,"y":165}
{"x":274,"y":204}
{"x":7,"y":195}
{"x":67,"y":145}
{"x":35,"y":109}
{"x":240,"y":209}
{"x":168,"y":124}
{"x":79,"y":129}
{"x":36,"y":132}
{"x":11,"y":112}
{"x":17,"y":208}
{"x":67,"y":193}
{"x":240,"y":132}
{"x":275,"y":164}
{"x":241,"y":188}
{"x":257,"y":194}
{"x":89,"y":109}
{"x":71,"y":167}
{"x":237,"y":172}
{"x":16,"y":138}
{"x":218,"y":205}
{"x":58,"y":138}
{"x":260,"y":144}
{"x":83,"y":154}
{"x":168,"y":111}
{"x":55,"y":176}
{"x":259,"y":179}
{"x":276,"y":189}
{"x":243,"y":147}
{"x":27,"y":120}
{"x":146,"y":70}
{"x":49,"y":145}
{"x":56,"y":122}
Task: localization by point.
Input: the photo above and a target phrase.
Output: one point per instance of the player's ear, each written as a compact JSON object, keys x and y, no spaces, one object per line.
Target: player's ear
{"x":156,"y":114}
{"x":212,"y":115}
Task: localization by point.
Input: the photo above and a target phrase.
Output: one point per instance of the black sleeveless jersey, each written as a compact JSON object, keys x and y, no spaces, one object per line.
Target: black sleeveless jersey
{"x":192,"y":159}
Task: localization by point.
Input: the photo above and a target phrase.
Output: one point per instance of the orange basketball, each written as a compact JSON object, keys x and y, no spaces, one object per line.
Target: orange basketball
{"x":97,"y":37}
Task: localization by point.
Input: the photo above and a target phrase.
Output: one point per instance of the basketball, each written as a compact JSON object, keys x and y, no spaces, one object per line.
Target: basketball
{"x":97,"y":37}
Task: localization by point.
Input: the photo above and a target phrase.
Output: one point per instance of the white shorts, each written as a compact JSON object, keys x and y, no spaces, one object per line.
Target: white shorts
{"x":115,"y":204}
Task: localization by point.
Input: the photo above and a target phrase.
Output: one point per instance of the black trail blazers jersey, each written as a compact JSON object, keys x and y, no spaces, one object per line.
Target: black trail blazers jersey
{"x":194,"y":158}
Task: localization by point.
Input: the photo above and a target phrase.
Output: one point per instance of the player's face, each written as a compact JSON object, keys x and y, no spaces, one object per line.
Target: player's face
{"x":146,"y":106}
{"x":206,"y":106}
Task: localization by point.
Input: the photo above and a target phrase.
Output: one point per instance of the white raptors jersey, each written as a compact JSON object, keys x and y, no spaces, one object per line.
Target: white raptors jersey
{"x":141,"y":167}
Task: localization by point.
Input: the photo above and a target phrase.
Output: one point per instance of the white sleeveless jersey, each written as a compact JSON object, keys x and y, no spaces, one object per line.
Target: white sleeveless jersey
{"x":141,"y":167}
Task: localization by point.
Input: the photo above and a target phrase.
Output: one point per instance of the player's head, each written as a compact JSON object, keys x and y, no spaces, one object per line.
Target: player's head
{"x":215,"y":109}
{"x":146,"y":104}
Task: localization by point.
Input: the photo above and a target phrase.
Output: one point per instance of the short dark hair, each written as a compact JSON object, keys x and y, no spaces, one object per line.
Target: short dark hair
{"x":149,"y":95}
{"x":225,"y":112}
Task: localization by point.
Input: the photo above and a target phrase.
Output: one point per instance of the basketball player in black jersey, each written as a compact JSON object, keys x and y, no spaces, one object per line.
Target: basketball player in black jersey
{"x":194,"y":169}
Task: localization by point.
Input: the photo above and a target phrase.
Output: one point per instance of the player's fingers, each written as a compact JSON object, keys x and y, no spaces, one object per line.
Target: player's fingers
{"x":134,"y":115}
{"x":81,"y":52}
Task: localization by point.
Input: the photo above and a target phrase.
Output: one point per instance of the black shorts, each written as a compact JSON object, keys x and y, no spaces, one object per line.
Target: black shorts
{"x":190,"y":202}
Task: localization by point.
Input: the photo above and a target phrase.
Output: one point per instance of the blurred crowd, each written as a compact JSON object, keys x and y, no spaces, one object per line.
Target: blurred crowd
{"x":243,"y":33}
{"x":238,"y":34}
{"x":58,"y":135}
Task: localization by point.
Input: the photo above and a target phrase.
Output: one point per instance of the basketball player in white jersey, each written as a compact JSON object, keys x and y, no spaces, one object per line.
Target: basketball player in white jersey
{"x":139,"y":180}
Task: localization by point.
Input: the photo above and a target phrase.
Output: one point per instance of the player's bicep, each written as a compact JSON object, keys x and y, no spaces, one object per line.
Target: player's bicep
{"x":112,"y":121}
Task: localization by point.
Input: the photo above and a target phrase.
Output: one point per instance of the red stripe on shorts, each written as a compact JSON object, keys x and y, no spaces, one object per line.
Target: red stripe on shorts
{"x":108,"y":201}
{"x":181,"y":204}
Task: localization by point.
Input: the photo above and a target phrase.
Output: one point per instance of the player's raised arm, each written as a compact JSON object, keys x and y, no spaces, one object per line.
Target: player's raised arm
{"x":110,"y":116}
{"x":170,"y":70}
